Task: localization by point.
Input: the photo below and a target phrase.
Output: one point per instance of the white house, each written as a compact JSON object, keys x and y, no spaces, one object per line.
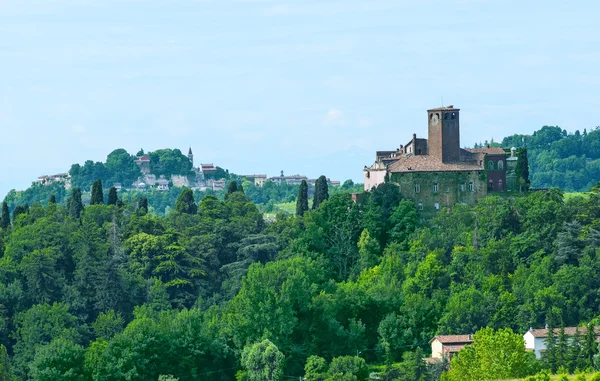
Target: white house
{"x":535,"y":339}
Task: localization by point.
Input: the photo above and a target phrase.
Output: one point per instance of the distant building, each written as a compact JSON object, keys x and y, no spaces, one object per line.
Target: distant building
{"x":446,"y":346}
{"x":535,"y":339}
{"x":292,"y":180}
{"x":334,"y":183}
{"x":207,"y":168}
{"x":258,"y":180}
{"x":190,"y":156}
{"x":144,"y":163}
{"x":218,"y":185}
{"x":162,"y":184}
{"x":436,"y":172}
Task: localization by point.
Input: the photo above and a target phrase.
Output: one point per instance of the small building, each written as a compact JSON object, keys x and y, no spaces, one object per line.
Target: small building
{"x":218,"y":185}
{"x":258,"y":180}
{"x":446,"y":346}
{"x":144,"y":163}
{"x":207,"y":168}
{"x":118,"y":186}
{"x":162,"y":184}
{"x":292,"y":180}
{"x":535,"y":339}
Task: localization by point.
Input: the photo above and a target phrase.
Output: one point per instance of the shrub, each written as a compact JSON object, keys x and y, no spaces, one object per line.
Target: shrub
{"x":595,"y":377}
{"x":543,"y":376}
{"x":563,"y":377}
{"x":580,"y":377}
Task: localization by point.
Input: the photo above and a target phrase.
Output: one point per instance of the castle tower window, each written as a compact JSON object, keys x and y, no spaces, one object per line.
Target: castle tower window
{"x":463,"y":187}
{"x":420,"y":205}
{"x":500,"y":164}
{"x":446,"y":115}
{"x":490,"y":165}
{"x":417,"y":188}
{"x":447,"y":189}
{"x":490,"y":185}
{"x":436,"y":205}
{"x":435,"y":188}
{"x":470,"y":187}
{"x":453,"y":115}
{"x":500,"y":185}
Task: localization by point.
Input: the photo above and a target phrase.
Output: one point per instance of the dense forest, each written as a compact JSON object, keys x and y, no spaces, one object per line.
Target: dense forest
{"x":211,"y":291}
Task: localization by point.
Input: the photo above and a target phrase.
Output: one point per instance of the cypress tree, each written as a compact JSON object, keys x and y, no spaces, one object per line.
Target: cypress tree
{"x":74,"y":204}
{"x":20,"y":209}
{"x":5,"y":219}
{"x":112,"y":196}
{"x":143,"y":206}
{"x":321,"y":192}
{"x":232,"y":187}
{"x":522,"y":169}
{"x":550,"y":354}
{"x":562,"y":357}
{"x":97,"y":195}
{"x":186,"y":203}
{"x":302,"y":201}
{"x":589,"y":345}
{"x":574,"y":352}
{"x":52,"y":199}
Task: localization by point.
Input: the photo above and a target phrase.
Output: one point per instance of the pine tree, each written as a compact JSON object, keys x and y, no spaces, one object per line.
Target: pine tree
{"x":522,"y":169}
{"x":241,"y":188}
{"x":589,"y":345}
{"x":232,"y":187}
{"x":20,"y":209}
{"x":5,"y":219}
{"x":186,"y":203}
{"x":302,"y":201}
{"x":112,"y":196}
{"x":52,"y":199}
{"x":574,"y":352}
{"x":562,"y":357}
{"x":550,"y":354}
{"x":143,"y":206}
{"x":5,"y":371}
{"x":74,"y":204}
{"x":97,"y":195}
{"x":321,"y":192}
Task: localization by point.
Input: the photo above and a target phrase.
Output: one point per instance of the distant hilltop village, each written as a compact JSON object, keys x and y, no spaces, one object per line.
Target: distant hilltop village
{"x":199,"y":178}
{"x":436,"y":172}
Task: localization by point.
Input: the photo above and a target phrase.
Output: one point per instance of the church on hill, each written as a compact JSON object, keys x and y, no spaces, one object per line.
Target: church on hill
{"x":436,"y":173}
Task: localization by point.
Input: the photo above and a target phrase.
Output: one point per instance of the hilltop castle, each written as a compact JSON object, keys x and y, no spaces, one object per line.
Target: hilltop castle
{"x":436,"y":173}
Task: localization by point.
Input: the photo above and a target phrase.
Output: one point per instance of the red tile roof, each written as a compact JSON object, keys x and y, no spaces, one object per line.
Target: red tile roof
{"x":453,"y":339}
{"x":428,"y":163}
{"x":569,"y":331}
{"x":144,"y":158}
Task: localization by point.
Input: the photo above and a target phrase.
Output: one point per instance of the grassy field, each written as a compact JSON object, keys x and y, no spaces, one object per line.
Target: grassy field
{"x":572,"y":377}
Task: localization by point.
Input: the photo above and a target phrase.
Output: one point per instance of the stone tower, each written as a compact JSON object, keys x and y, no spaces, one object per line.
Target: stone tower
{"x":444,"y":133}
{"x":191,"y":156}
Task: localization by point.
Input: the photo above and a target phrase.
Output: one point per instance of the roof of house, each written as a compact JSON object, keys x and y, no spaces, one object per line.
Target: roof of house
{"x":489,"y":151}
{"x":255,"y":176}
{"x":144,"y":158}
{"x":428,"y":163}
{"x":453,"y":339}
{"x":569,"y":331}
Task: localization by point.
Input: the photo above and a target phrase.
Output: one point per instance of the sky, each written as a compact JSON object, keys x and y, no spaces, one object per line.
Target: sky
{"x":258,"y":86}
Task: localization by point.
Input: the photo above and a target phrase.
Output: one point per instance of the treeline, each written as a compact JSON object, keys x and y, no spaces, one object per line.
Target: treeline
{"x":559,"y":159}
{"x":111,"y":292}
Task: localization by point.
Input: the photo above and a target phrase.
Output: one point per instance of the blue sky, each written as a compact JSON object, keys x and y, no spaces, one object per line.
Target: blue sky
{"x":259,"y":86}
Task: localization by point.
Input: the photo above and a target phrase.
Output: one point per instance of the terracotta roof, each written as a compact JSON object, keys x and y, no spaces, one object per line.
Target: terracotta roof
{"x":449,"y":108}
{"x":144,"y":158}
{"x":428,"y":163}
{"x":569,"y":331}
{"x":489,"y":151}
{"x":453,"y":339}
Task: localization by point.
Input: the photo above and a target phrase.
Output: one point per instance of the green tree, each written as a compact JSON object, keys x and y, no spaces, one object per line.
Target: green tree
{"x":589,"y":345}
{"x":348,"y":366}
{"x":97,"y":195}
{"x":5,"y":368}
{"x":315,"y":369}
{"x":232,"y":187}
{"x":19,"y":210}
{"x":321,"y":192}
{"x":302,"y":200}
{"x":108,"y":324}
{"x":61,"y":360}
{"x":112,"y":196}
{"x":142,"y":206}
{"x":74,"y":203}
{"x":52,"y":199}
{"x":185,"y":202}
{"x":5,"y":219}
{"x":263,"y":361}
{"x":522,"y":169}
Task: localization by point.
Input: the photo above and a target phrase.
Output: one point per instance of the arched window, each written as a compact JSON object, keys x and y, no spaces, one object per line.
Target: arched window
{"x":431,"y":116}
{"x":420,"y":205}
{"x":453,"y":115}
{"x":500,"y":164}
{"x":490,"y":165}
{"x":446,"y":115}
{"x":500,"y":185}
{"x":490,"y":185}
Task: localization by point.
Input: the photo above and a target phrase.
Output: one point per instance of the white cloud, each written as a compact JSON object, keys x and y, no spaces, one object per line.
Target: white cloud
{"x":334,"y":117}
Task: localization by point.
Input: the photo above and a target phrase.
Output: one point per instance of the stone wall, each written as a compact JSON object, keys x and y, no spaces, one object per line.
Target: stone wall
{"x":452,"y":187}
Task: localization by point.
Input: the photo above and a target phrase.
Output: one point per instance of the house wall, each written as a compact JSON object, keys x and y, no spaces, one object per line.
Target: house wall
{"x":373,"y":178}
{"x":436,"y":349}
{"x":497,"y":176}
{"x":449,"y":188}
{"x":535,"y":344}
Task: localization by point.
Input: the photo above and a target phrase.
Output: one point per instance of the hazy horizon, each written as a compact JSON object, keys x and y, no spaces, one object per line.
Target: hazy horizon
{"x":260,"y":86}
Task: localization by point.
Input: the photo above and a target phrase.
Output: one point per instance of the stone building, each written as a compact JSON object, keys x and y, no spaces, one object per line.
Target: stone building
{"x":437,"y":173}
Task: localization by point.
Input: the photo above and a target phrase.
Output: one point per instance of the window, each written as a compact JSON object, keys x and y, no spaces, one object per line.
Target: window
{"x":463,"y":187}
{"x":447,"y":189}
{"x":453,"y":115}
{"x":490,"y":165}
{"x":436,"y":205}
{"x":420,"y":205}
{"x":435,"y":187}
{"x":500,"y":185}
{"x":446,"y":115}
{"x":481,"y":163}
{"x":470,"y":187}
{"x":490,"y":185}
{"x":500,"y":164}
{"x":368,"y":175}
{"x":431,"y":116}
{"x":417,"y":188}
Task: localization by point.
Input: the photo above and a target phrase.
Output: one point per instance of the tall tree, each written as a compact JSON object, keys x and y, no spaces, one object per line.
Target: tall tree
{"x":97,"y":194}
{"x":143,"y":206}
{"x":321,"y":192}
{"x":589,"y":345}
{"x":264,"y":361}
{"x":186,"y":203}
{"x":74,"y":203}
{"x":522,"y":169}
{"x":5,"y":219}
{"x":20,"y":209}
{"x":5,"y":369}
{"x":52,"y":199}
{"x":302,"y":200}
{"x":550,"y":356}
{"x":232,"y":187}
{"x":112,"y":196}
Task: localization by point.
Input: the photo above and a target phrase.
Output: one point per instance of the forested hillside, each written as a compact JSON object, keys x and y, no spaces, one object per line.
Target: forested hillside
{"x":561,"y":160}
{"x":110,"y":292}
